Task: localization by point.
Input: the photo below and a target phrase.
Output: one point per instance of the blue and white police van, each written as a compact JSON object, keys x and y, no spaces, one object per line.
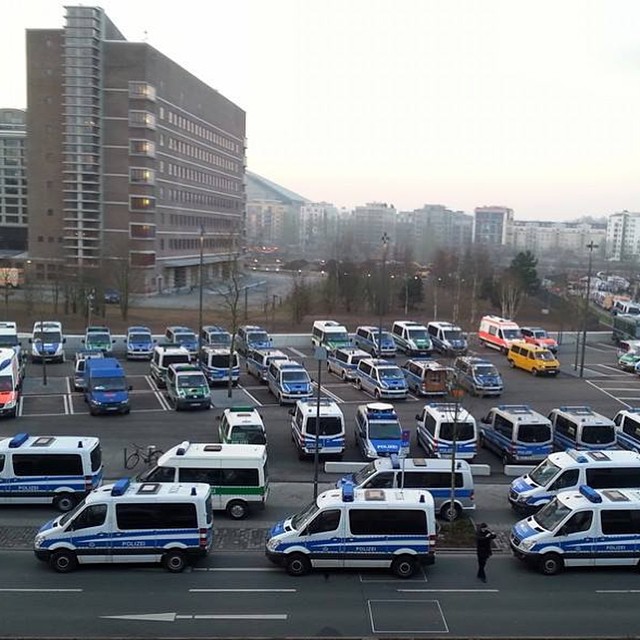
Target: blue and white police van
{"x":344,"y":362}
{"x":129,"y":522}
{"x":584,"y":528}
{"x":214,"y":336}
{"x":516,"y":433}
{"x":288,"y":381}
{"x":378,"y":431}
{"x":328,"y":438}
{"x":58,"y":470}
{"x":139,"y":343}
{"x":447,"y":338}
{"x":184,"y":337}
{"x":357,"y":528}
{"x":257,"y":361}
{"x":568,"y":470}
{"x":368,"y":337}
{"x":251,"y":337}
{"x":580,"y":427}
{"x":437,"y":425}
{"x":47,"y":341}
{"x":627,"y":424}
{"x":218,"y":365}
{"x":381,"y":378}
{"x":478,"y":376}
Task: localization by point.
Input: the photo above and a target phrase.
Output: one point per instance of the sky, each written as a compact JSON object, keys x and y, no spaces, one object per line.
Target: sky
{"x":534,"y":104}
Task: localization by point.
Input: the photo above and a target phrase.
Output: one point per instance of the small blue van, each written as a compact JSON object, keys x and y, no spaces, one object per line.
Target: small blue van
{"x":105,"y":386}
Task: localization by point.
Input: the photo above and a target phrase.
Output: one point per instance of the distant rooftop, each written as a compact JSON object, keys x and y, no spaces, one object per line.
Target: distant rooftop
{"x":259,"y":188}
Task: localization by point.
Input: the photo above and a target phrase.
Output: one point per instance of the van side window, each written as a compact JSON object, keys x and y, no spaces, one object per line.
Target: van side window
{"x":620,"y":521}
{"x":325,"y":521}
{"x":613,"y":478}
{"x":492,"y":330}
{"x":503,"y":426}
{"x":161,"y":474}
{"x":631,"y":427}
{"x":381,"y":481}
{"x":208,"y":476}
{"x":93,"y":516}
{"x":430,"y":424}
{"x":59,"y":464}
{"x":341,"y":356}
{"x":565,"y":426}
{"x":2,"y":459}
{"x":580,"y":521}
{"x":387,"y":522}
{"x":567,"y":479}
{"x":177,"y":515}
{"x":431,"y":480}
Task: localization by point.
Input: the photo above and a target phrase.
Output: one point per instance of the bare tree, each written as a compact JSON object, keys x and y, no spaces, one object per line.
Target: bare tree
{"x":511,"y":295}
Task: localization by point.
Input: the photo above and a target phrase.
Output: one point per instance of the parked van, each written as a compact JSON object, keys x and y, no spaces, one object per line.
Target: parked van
{"x":627,"y":424}
{"x":431,"y":475}
{"x":81,"y":358}
{"x":625,"y":328}
{"x":571,"y":468}
{"x":367,"y":338}
{"x":328,"y":439}
{"x":187,"y":387}
{"x":251,"y":337}
{"x":184,"y":337}
{"x":344,"y":362}
{"x":447,"y":338}
{"x":217,"y":365}
{"x":288,"y":381}
{"x":478,"y":376}
{"x":257,"y":361}
{"x":217,"y":337}
{"x":329,"y":334}
{"x":516,"y":433}
{"x":427,"y":377}
{"x":539,"y":337}
{"x":241,"y":425}
{"x":47,"y":342}
{"x":584,"y":528}
{"x":9,"y":336}
{"x":536,"y":360}
{"x":58,"y":470}
{"x":237,"y":473}
{"x":361,"y":528}
{"x":11,"y":376}
{"x":105,"y":386}
{"x":381,"y":378}
{"x":626,"y":308}
{"x":378,"y":431}
{"x":139,"y":343}
{"x":498,"y":333}
{"x":163,"y":356}
{"x":582,"y":428}
{"x":130,"y":522}
{"x":98,"y":338}
{"x":412,"y":338}
{"x":437,"y":425}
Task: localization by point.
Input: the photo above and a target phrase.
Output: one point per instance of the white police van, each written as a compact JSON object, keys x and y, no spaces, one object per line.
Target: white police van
{"x":378,"y":431}
{"x":411,"y":337}
{"x":329,"y":334}
{"x":516,"y":433}
{"x":288,"y":381}
{"x":139,"y":343}
{"x":241,"y":425}
{"x":580,"y":427}
{"x":568,"y":470}
{"x":381,"y":378}
{"x":163,"y":356}
{"x":49,"y":469}
{"x":627,"y":424}
{"x":419,"y":473}
{"x":344,"y":362}
{"x":437,"y":425}
{"x":329,"y":439}
{"x":47,"y":341}
{"x":447,"y":338}
{"x":130,"y":523}
{"x":257,"y":361}
{"x":237,"y":474}
{"x":216,"y":337}
{"x":218,"y":365}
{"x":368,"y":337}
{"x":584,"y":528}
{"x":361,"y":528}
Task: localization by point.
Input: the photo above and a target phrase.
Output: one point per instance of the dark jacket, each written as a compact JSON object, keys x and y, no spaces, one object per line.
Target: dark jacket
{"x":483,"y":542}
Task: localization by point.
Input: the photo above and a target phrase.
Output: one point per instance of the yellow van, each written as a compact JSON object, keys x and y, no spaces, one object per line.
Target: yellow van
{"x":530,"y":357}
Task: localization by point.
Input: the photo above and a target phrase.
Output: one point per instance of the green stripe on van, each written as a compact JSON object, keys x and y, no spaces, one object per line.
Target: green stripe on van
{"x":247,"y":491}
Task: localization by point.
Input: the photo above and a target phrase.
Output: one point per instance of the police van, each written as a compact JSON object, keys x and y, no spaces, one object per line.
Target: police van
{"x":163,"y":356}
{"x":359,"y":528}
{"x":439,"y":423}
{"x":329,"y":334}
{"x":516,"y":433}
{"x":241,"y":425}
{"x":11,"y":376}
{"x":237,"y":473}
{"x":420,"y":473}
{"x":478,"y":376}
{"x":251,"y":337}
{"x":411,"y":337}
{"x":583,"y":528}
{"x":381,"y":378}
{"x":139,"y":343}
{"x":217,"y":365}
{"x":187,"y":387}
{"x":58,"y":470}
{"x":344,"y":362}
{"x":447,"y":338}
{"x":215,"y":336}
{"x":580,"y":427}
{"x":129,"y":522}
{"x":378,"y":431}
{"x":183,"y":336}
{"x":367,"y":339}
{"x":81,"y":358}
{"x":427,"y":377}
{"x":328,"y":438}
{"x":257,"y":362}
{"x":571,"y":468}
{"x":47,"y":341}
{"x":628,"y":428}
{"x":288,"y":381}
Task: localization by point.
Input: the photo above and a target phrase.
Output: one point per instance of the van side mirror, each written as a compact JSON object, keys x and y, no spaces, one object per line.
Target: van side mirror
{"x":130,"y":387}
{"x":292,"y":412}
{"x":64,"y":340}
{"x":30,"y":341}
{"x":82,"y":340}
{"x":113,"y":340}
{"x":417,"y":416}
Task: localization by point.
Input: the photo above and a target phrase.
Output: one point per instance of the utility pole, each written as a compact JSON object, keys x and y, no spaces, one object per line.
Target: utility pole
{"x":200,"y":299}
{"x":591,"y":246}
{"x":385,"y":245}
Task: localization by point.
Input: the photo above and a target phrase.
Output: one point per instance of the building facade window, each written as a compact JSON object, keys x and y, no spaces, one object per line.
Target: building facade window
{"x":142,"y":204}
{"x":142,"y":90}
{"x":141,"y":175}
{"x":142,"y":119}
{"x":142,"y":258}
{"x":142,"y":231}
{"x":139,"y":147}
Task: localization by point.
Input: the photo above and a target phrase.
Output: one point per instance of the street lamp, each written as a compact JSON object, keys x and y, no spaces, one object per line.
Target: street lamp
{"x":385,"y":245}
{"x":591,"y":246}
{"x":201,"y":289}
{"x":435,"y":297}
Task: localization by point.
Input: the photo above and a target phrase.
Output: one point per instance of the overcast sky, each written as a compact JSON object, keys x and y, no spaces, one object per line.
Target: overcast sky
{"x":533,"y":105}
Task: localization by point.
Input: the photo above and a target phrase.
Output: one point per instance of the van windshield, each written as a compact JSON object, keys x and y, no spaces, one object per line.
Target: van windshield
{"x":47,"y":336}
{"x":417,"y":334}
{"x":221,"y":361}
{"x":220,"y":339}
{"x":545,"y":355}
{"x":6,"y":383}
{"x":540,"y":334}
{"x":108,"y":384}
{"x":329,"y":426}
{"x":295,"y":376}
{"x":8,"y":341}
{"x":186,"y":337}
{"x":257,"y":336}
{"x":485,"y":370}
{"x":98,"y":338}
{"x":534,"y":433}
{"x":304,"y":516}
{"x":551,"y":515}
{"x":139,"y":337}
{"x":384,"y":431}
{"x":453,"y":335}
{"x":192,"y":380}
{"x":544,"y":473}
{"x":390,"y":373}
{"x":465,"y":431}
{"x":511,"y":334}
{"x":248,"y":434}
{"x":365,"y":473}
{"x":67,"y":516}
{"x":598,"y":434}
{"x":176,"y":359}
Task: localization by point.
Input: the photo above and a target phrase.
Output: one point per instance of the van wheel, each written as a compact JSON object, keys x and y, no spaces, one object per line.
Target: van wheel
{"x":174,"y":561}
{"x":343,"y":376}
{"x":237,"y":509}
{"x":359,"y":383}
{"x":551,"y":564}
{"x":64,"y":502}
{"x":280,"y":399}
{"x":506,"y":459}
{"x":376,"y":394}
{"x":512,"y":364}
{"x":404,"y":566}
{"x":63,"y":561}
{"x":297,"y":565}
{"x":450,"y":514}
{"x":534,"y":372}
{"x":482,"y":442}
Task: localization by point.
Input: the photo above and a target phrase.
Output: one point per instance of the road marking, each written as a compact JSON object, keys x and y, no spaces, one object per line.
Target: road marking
{"x":297,"y":353}
{"x":36,"y":590}
{"x":162,"y":400}
{"x":152,"y":383}
{"x":595,"y":386}
{"x":324,"y":390}
{"x":243,"y":590}
{"x":617,"y":590}
{"x":267,"y":569}
{"x":20,"y":405}
{"x":68,"y":385}
{"x":255,"y":400}
{"x":70,"y":404}
{"x":448,"y":590}
{"x":172,"y":617}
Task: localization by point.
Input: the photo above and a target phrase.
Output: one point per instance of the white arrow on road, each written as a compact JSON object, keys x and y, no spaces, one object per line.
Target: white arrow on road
{"x":172,"y":617}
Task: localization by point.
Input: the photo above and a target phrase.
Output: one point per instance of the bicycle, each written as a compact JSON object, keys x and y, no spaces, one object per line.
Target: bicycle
{"x":149,"y":455}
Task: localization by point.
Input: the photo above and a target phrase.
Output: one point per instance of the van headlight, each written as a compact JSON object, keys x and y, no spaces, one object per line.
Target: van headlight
{"x":527,"y":544}
{"x":272,"y":544}
{"x":38,"y":541}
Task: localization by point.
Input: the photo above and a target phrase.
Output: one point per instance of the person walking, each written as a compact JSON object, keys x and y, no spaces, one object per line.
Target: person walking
{"x":484,"y":536}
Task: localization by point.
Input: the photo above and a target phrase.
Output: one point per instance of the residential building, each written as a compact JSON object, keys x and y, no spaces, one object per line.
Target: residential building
{"x":134,"y":164}
{"x":493,"y":225}
{"x":370,"y":223}
{"x":547,"y":237}
{"x":318,"y":228}
{"x":623,"y":236}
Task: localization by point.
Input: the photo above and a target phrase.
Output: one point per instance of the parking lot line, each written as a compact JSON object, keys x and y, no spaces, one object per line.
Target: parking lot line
{"x":20,"y":406}
{"x":296,"y":352}
{"x":69,"y":407}
{"x":595,"y":386}
{"x":257,"y":402}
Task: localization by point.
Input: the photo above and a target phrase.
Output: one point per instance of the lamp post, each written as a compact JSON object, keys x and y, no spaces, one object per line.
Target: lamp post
{"x":591,"y":246}
{"x":201,"y":289}
{"x":385,"y":245}
{"x":435,"y":297}
{"x":456,"y":392}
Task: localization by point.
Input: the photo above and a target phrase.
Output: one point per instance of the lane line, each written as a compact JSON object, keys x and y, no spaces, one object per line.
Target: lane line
{"x":324,"y":390}
{"x":36,"y":590}
{"x":232,"y":616}
{"x":20,"y":405}
{"x":243,"y":590}
{"x":68,"y":385}
{"x":617,"y":591}
{"x":70,"y":405}
{"x":251,"y":396}
{"x":237,"y":569}
{"x":448,"y":590}
{"x":298,"y":353}
{"x":608,"y":394}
